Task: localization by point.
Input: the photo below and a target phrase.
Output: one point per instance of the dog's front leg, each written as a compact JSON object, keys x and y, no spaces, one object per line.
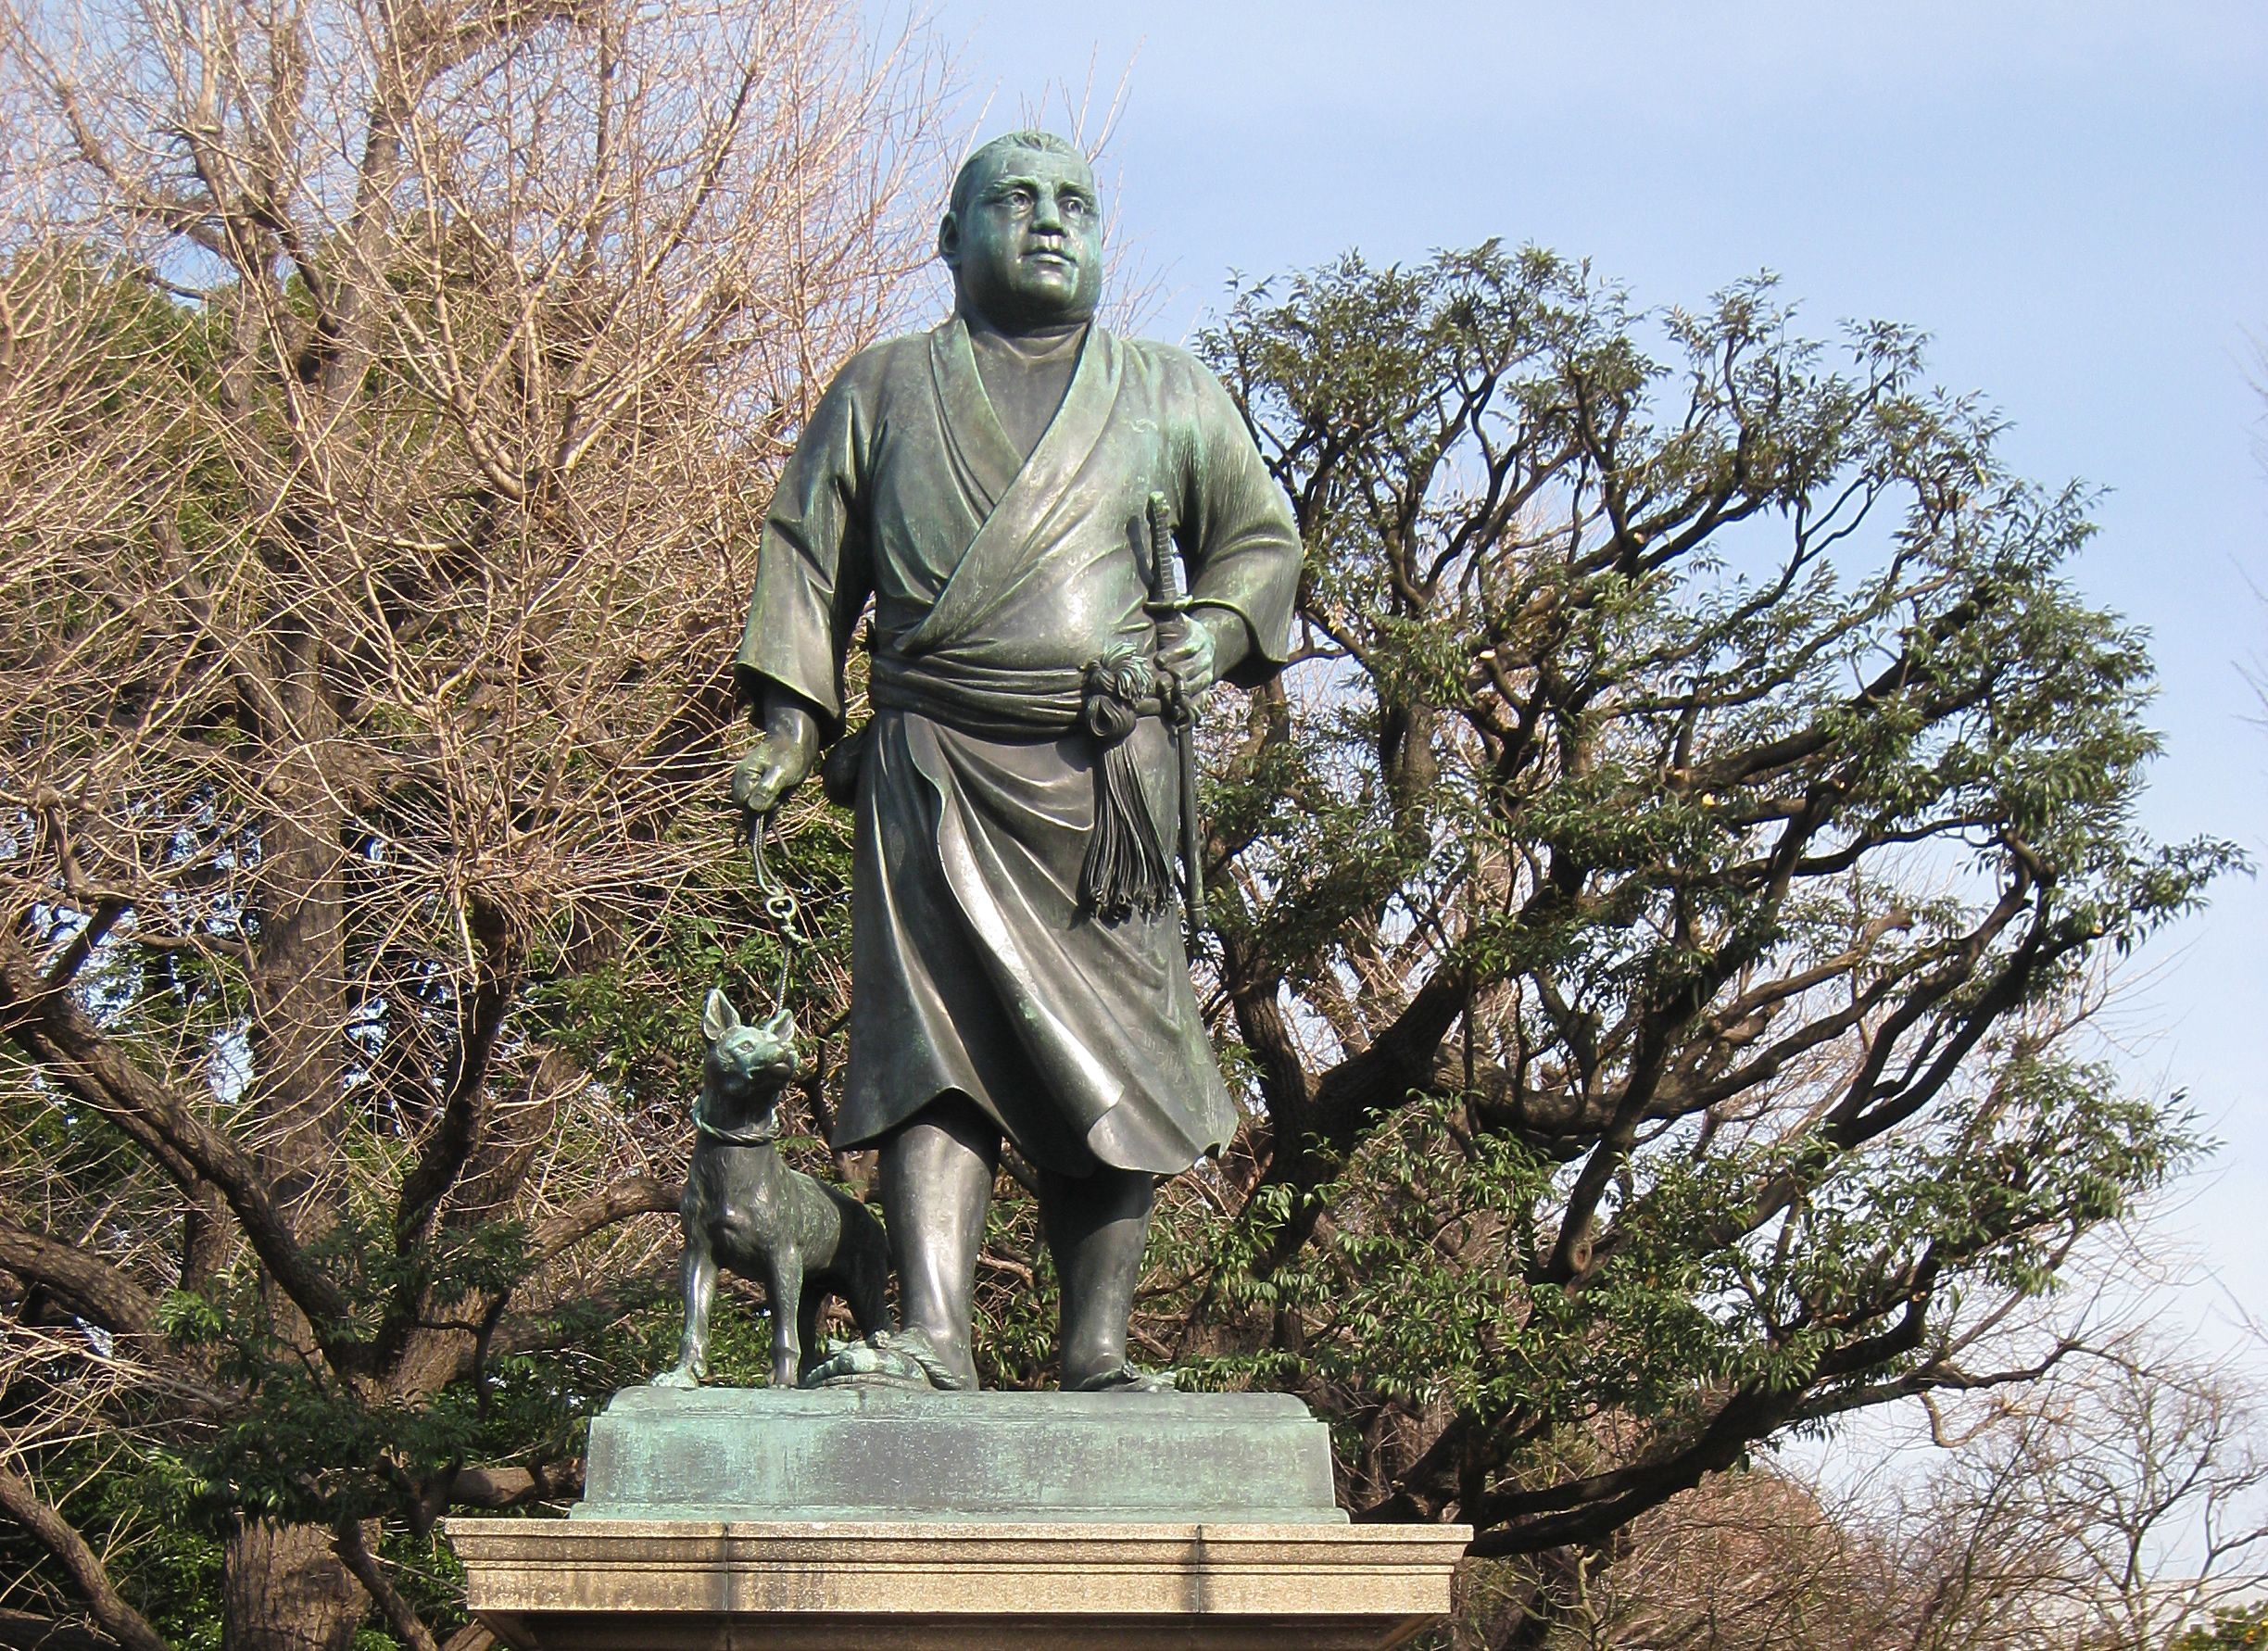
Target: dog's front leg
{"x":699,"y":1291}
{"x":786,"y":1287}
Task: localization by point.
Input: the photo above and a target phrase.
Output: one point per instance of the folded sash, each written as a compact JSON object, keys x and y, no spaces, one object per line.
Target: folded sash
{"x":983,"y":700}
{"x":1127,"y":871}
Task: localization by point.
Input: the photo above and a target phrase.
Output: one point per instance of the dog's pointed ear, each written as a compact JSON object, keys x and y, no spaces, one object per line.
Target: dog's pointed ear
{"x":781,"y":1028}
{"x":718,"y":1016}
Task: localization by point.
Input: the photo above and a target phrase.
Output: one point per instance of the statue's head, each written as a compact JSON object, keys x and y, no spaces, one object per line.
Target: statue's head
{"x":1023,"y":234}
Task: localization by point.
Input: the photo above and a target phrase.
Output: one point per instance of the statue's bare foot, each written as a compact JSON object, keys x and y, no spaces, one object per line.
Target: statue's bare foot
{"x":680,"y":1375}
{"x":888,"y":1358}
{"x":1127,"y":1379}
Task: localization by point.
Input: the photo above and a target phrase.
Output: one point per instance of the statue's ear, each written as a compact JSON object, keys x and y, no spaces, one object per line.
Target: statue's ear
{"x":949,"y":240}
{"x":718,"y":1016}
{"x":781,"y":1028}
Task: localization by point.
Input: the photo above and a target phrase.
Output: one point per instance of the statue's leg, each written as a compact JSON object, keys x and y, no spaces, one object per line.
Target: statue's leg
{"x":937,"y":1183}
{"x":1096,"y":1226}
{"x":868,"y":1280}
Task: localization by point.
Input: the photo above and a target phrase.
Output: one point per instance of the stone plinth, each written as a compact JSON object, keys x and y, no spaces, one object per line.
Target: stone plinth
{"x":834,"y":1454}
{"x":729,"y":1518}
{"x":684,"y":1585}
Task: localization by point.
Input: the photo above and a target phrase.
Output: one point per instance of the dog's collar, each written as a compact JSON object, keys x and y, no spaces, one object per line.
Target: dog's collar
{"x":759,"y":1135}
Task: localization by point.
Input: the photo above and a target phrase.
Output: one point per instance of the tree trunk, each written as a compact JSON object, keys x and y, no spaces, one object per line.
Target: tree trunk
{"x":286,"y":1589}
{"x":298,"y":981}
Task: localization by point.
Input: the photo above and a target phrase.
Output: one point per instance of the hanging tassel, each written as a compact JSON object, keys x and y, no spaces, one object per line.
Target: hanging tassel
{"x":1126,"y":873}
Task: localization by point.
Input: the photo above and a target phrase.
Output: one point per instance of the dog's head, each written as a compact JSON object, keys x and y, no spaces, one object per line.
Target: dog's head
{"x":746,"y":1064}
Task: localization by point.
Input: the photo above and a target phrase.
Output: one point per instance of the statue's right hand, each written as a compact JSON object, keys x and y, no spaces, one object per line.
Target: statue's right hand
{"x":767,"y":773}
{"x":783,"y":754}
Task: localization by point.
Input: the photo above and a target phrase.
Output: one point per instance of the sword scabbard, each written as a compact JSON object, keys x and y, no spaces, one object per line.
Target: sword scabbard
{"x":1166,"y":597}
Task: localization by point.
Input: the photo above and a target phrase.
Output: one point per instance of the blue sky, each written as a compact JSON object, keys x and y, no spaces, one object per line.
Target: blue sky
{"x":2070,"y":197}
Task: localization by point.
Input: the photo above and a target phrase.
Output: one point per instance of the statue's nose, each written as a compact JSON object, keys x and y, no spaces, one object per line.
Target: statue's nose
{"x":1046,"y":214}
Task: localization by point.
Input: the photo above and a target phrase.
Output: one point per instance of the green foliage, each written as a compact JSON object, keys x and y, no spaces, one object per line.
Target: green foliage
{"x":1017,"y":1295}
{"x":631,"y":1018}
{"x":1665,"y":901}
{"x":2232,"y":1628}
{"x":149,"y":1501}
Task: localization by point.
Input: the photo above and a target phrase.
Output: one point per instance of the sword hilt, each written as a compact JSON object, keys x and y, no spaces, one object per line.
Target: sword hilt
{"x":1167,"y":598}
{"x":1164,"y":577}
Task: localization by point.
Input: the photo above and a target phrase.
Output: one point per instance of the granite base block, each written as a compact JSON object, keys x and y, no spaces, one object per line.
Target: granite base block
{"x":660,"y":1586}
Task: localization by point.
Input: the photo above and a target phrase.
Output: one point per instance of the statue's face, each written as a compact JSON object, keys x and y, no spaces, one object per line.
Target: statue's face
{"x":1027,"y":250}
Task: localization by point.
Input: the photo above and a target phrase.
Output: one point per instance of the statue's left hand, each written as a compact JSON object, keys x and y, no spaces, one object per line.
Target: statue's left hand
{"x":1199,"y":646}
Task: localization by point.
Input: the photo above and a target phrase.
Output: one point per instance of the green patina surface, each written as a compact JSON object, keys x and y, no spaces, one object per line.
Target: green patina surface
{"x":868,"y":1453}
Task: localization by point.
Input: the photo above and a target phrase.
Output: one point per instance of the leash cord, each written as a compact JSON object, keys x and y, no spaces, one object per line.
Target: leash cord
{"x":779,"y":903}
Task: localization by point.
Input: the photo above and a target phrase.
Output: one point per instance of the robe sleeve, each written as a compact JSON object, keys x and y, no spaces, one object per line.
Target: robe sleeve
{"x":1237,"y":529}
{"x":814,"y":568}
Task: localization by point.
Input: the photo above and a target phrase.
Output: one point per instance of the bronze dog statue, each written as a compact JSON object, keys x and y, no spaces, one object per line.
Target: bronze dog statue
{"x":745,"y":1209}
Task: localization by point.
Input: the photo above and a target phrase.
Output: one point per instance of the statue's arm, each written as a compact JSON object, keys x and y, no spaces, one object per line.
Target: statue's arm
{"x":1239,"y":536}
{"x":814,"y":576}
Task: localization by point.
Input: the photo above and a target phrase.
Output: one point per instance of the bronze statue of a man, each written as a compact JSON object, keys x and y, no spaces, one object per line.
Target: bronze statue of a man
{"x":987,"y":485}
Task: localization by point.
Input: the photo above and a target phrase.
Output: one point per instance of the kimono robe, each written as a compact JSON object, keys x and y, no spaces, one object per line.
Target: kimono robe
{"x":995,"y":582}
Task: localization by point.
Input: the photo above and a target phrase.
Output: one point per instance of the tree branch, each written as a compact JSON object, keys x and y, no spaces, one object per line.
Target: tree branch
{"x":453,"y":1139}
{"x":353,"y":1550}
{"x":48,"y":1025}
{"x":639,"y":1195}
{"x":511,"y":1487}
{"x":89,"y":1286}
{"x":52,"y":1532}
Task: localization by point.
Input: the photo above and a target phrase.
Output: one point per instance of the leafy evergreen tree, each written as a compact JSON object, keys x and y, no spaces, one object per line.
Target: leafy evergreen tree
{"x":1652,"y":919}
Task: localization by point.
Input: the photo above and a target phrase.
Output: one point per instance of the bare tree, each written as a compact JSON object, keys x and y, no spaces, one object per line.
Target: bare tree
{"x":2148,"y":1474}
{"x":1744,"y":1561}
{"x":2103,"y":1508}
{"x":386,"y":391}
